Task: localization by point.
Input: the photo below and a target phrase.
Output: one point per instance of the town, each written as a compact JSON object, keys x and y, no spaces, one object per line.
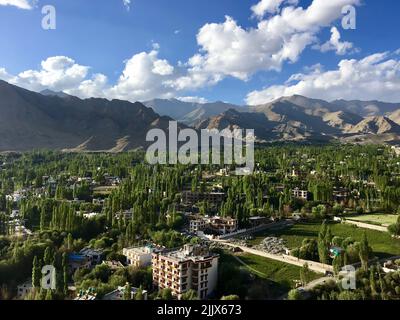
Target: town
{"x":116,"y":228}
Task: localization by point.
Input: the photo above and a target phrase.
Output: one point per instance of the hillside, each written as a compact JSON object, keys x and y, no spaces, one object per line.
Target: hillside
{"x":31,"y":120}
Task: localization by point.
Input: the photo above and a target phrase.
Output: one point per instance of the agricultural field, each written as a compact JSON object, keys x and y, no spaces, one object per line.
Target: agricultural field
{"x":381,"y":242}
{"x":376,"y":219}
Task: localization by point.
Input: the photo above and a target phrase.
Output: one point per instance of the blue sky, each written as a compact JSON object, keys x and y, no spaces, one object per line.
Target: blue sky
{"x":105,"y":48}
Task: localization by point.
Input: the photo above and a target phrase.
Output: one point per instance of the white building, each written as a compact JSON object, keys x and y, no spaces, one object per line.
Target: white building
{"x":300,"y":194}
{"x":197,"y":225}
{"x":138,"y":256}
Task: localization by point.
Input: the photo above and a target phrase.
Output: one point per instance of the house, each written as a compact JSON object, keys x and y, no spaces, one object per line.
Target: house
{"x":193,"y":267}
{"x":300,"y":194}
{"x":87,"y":258}
{"x":95,"y":256}
{"x":113,"y":265}
{"x":258,"y":221}
{"x":118,"y":294}
{"x":138,"y":256}
{"x":197,"y":225}
{"x":98,"y":202}
{"x":223,"y":225}
{"x":341,"y":194}
{"x":24,"y":289}
{"x":77,"y":261}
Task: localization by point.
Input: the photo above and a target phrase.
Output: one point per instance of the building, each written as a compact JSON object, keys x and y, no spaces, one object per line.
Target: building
{"x":138,"y":256}
{"x":24,"y":289}
{"x":191,"y":268}
{"x":197,"y":225}
{"x":87,"y":258}
{"x":222,"y":225}
{"x":113,"y":264}
{"x":78,"y":261}
{"x":341,"y":194}
{"x":95,"y":256}
{"x":300,"y":194}
{"x":258,"y":221}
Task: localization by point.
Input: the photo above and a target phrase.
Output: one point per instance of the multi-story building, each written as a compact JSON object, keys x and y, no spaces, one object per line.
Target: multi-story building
{"x":223,"y":225}
{"x":300,"y":194}
{"x":197,"y":225}
{"x":138,"y":256}
{"x":191,"y":268}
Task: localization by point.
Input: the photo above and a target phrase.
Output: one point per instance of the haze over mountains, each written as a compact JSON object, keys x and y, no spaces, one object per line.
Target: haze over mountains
{"x":55,"y":120}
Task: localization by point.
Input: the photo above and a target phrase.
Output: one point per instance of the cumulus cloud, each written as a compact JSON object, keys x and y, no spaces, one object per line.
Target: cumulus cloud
{"x":269,"y":6}
{"x":21,"y":4}
{"x":227,"y":49}
{"x":57,"y":73}
{"x":375,"y":77}
{"x":334,"y":44}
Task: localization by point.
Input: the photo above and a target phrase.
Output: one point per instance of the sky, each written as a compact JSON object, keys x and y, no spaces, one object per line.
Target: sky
{"x":237,"y":51}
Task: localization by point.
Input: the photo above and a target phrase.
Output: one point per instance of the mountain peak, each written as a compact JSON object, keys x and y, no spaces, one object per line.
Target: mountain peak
{"x":51,"y":93}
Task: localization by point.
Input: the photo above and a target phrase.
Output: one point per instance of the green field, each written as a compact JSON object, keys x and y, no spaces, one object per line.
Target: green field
{"x":276,"y":275}
{"x":381,"y":242}
{"x":377,"y":219}
{"x":279,"y":272}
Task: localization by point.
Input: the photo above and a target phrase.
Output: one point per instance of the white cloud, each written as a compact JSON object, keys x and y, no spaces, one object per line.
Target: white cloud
{"x":162,"y":67}
{"x":269,"y":6}
{"x":21,"y":4}
{"x":376,"y":77}
{"x":144,"y":78}
{"x":127,"y":4}
{"x":334,"y":44}
{"x":57,"y":73}
{"x":4,"y":75}
{"x":227,"y":49}
{"x":193,"y":99}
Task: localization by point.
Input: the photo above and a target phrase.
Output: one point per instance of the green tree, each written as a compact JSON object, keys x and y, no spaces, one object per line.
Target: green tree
{"x":36,"y":273}
{"x":295,"y":294}
{"x":190,"y":295}
{"x":305,"y":274}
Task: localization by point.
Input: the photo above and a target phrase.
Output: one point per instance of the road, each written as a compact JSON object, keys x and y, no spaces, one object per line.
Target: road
{"x":366,"y":225}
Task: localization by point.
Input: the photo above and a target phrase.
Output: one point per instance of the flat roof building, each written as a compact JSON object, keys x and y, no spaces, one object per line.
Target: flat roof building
{"x":193,"y":267}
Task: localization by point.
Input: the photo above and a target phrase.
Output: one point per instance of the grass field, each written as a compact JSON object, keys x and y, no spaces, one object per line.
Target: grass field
{"x":377,"y":219}
{"x":277,"y":275}
{"x":279,"y":272}
{"x":381,"y":242}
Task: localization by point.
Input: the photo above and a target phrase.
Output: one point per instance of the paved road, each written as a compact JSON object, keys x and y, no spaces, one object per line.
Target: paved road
{"x":366,"y":225}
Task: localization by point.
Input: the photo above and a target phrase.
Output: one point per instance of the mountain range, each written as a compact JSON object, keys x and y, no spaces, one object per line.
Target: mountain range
{"x":56,"y":120}
{"x":297,"y":118}
{"x":31,"y":120}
